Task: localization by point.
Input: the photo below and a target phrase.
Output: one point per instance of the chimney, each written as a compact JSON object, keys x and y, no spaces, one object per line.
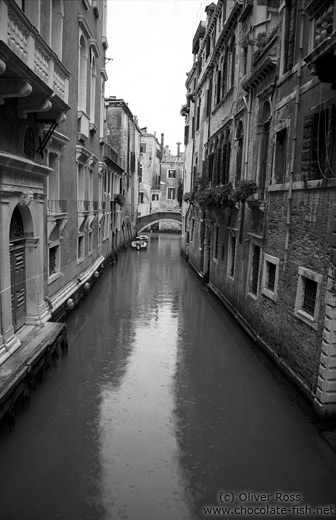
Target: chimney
{"x":178,"y":149}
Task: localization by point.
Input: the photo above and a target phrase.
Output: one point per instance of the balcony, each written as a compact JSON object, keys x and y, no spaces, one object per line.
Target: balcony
{"x":321,"y":60}
{"x":85,"y":206}
{"x":57,"y":207}
{"x":99,"y":205}
{"x":32,"y":71}
{"x":57,"y":215}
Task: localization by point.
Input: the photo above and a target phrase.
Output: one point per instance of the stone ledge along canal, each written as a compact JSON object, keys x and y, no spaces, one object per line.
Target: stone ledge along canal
{"x":161,"y":410}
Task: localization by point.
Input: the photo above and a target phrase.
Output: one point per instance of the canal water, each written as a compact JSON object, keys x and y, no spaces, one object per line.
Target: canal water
{"x":161,"y":409}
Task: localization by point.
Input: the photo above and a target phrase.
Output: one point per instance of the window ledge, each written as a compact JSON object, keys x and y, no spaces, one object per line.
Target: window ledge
{"x":303,"y":185}
{"x":253,"y":297}
{"x":306,"y":318}
{"x":52,"y":278}
{"x":269,"y":294}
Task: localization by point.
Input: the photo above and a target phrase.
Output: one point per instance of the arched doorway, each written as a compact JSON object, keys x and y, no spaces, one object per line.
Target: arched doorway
{"x":17,"y":269}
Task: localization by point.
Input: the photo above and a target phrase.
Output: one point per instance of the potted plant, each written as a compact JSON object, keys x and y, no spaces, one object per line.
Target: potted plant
{"x":120,"y":199}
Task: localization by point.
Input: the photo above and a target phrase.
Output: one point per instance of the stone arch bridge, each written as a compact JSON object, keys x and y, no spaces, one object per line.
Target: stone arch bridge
{"x":159,"y":216}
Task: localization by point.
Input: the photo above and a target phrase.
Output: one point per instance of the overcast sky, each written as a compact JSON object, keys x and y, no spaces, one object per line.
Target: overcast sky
{"x":150,"y":42}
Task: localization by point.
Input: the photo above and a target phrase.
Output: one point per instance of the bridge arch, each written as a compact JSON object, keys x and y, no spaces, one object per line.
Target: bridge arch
{"x":154,"y":218}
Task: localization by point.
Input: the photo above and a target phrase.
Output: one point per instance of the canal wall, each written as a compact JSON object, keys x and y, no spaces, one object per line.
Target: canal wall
{"x":19,"y":375}
{"x":41,"y":346}
{"x":280,"y":363}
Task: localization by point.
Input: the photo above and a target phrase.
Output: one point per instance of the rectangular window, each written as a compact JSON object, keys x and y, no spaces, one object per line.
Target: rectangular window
{"x":318,"y":145}
{"x":141,"y":197}
{"x":232,"y":256}
{"x":172,"y":174}
{"x":186,"y":135}
{"x":307,"y":296}
{"x":171,"y":193}
{"x":270,"y":275}
{"x":254,"y":273}
{"x":270,"y":283}
{"x":155,"y":196}
{"x":192,"y":229}
{"x":53,"y":260}
{"x":90,"y":241}
{"x":80,"y":248}
{"x":143,"y":148}
{"x":280,"y":156}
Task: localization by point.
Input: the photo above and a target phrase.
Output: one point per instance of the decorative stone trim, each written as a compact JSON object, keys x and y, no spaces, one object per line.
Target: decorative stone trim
{"x":325,"y":399}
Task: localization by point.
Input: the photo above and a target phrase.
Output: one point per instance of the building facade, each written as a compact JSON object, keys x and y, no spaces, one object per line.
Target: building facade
{"x":60,"y":177}
{"x":172,"y":171}
{"x":258,"y":218}
{"x":123,"y":136}
{"x":75,"y":204}
{"x":150,"y":184}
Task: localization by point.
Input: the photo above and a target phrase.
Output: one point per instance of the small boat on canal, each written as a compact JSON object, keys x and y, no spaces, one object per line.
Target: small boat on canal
{"x":140,"y":242}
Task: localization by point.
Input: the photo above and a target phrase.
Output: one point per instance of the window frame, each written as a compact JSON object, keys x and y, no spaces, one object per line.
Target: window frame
{"x":273,"y":295}
{"x":80,"y":237}
{"x":299,"y":312}
{"x":57,"y":273}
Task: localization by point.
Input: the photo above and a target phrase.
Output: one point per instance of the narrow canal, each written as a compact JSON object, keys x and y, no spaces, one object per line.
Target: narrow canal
{"x":161,"y":408}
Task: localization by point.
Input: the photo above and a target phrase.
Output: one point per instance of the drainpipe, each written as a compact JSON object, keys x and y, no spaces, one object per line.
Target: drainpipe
{"x":249,"y":109}
{"x":294,"y":145}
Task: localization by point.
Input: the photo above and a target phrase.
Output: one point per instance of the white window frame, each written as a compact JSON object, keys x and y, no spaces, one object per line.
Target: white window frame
{"x":299,"y":312}
{"x":54,"y":276}
{"x":80,"y":259}
{"x":273,"y":295}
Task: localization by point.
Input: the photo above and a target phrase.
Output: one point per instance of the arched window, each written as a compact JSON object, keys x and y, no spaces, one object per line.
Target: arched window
{"x":82,"y":76}
{"x":239,"y":156}
{"x":264,"y":130}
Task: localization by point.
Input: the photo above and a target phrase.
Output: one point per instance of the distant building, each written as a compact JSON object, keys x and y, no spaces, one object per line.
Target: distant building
{"x":172,"y":169}
{"x":150,"y":185}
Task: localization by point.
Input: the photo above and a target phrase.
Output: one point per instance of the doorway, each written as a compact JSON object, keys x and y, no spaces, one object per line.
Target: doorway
{"x":17,"y":270}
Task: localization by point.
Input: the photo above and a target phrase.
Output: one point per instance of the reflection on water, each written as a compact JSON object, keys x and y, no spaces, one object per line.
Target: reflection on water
{"x":159,"y":406}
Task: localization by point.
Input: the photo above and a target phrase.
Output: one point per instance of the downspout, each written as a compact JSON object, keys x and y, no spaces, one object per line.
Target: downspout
{"x":294,"y":145}
{"x":249,"y":109}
